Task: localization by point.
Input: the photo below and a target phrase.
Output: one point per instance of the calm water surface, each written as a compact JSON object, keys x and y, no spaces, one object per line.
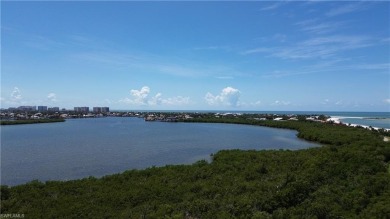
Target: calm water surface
{"x":95,"y":147}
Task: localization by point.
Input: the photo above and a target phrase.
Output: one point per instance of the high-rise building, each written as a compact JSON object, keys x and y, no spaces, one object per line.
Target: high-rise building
{"x":42,"y":109}
{"x":97,"y":109}
{"x":12,"y":109}
{"x":27,"y":108}
{"x":53,"y":109}
{"x":101,"y":109}
{"x":83,"y":109}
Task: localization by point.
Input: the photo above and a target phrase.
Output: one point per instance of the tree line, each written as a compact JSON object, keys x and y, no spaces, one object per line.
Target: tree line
{"x":29,"y":121}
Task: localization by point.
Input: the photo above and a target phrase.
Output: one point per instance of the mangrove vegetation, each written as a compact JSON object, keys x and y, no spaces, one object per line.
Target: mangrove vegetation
{"x":348,"y":177}
{"x":29,"y":121}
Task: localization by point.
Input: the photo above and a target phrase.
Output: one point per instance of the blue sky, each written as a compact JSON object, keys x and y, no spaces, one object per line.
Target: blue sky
{"x":306,"y":55}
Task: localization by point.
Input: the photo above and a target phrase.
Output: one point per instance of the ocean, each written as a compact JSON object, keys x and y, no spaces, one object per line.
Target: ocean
{"x":373,"y":119}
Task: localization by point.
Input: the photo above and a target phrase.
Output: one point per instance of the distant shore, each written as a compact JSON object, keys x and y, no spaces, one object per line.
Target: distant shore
{"x":338,"y":120}
{"x":29,"y":121}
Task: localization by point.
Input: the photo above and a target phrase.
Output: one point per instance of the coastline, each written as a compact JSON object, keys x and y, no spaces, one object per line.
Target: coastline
{"x":339,"y":120}
{"x":29,"y":121}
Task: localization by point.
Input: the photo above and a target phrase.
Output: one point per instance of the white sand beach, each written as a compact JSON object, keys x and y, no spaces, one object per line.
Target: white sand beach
{"x":334,"y":119}
{"x":337,"y":120}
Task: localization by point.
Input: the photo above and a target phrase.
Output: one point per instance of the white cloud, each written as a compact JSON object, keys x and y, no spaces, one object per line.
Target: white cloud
{"x":281,"y":103}
{"x":347,"y":8}
{"x":142,"y":98}
{"x":320,"y":47}
{"x":272,"y":7}
{"x":257,"y":103}
{"x":15,"y":98}
{"x":325,"y":102}
{"x":16,"y":95}
{"x":373,"y":66}
{"x":257,"y":50}
{"x":52,"y":97}
{"x":156,"y":100}
{"x":312,"y":26}
{"x":349,"y":40}
{"x":224,"y":48}
{"x":177,"y":101}
{"x":229,"y":96}
{"x":211,"y":99}
{"x":224,"y":77}
{"x":42,"y":43}
{"x":387,"y":101}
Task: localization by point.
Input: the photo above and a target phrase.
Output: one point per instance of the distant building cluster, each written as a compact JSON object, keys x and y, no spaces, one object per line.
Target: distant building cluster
{"x":96,"y":109}
{"x":23,"y":108}
{"x":101,"y":109}
{"x":44,"y":112}
{"x":43,"y":109}
{"x":81,"y":109}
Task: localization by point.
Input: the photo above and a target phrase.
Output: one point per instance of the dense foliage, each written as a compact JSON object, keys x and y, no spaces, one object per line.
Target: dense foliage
{"x":348,"y":177}
{"x":29,"y":121}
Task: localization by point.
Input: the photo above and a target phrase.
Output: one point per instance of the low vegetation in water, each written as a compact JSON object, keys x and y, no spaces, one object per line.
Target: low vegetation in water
{"x":29,"y":121}
{"x":348,"y":177}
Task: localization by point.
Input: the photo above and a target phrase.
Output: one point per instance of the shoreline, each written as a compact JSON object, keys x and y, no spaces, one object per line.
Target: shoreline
{"x":29,"y":121}
{"x":338,"y":120}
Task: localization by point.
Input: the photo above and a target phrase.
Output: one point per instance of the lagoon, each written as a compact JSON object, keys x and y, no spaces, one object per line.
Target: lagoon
{"x":96,"y":147}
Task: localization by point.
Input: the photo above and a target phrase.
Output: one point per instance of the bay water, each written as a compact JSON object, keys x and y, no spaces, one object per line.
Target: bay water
{"x":96,"y":147}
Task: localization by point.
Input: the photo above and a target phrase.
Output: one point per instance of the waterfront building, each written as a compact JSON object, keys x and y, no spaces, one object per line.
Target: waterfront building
{"x":53,"y":109}
{"x":27,"y":108}
{"x":97,"y":109}
{"x":83,"y":109}
{"x":12,"y":109}
{"x":101,"y":109}
{"x":42,"y":109}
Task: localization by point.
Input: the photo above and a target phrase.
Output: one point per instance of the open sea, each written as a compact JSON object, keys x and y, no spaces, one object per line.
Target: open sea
{"x":374,"y":119}
{"x":377,"y":119}
{"x":80,"y":148}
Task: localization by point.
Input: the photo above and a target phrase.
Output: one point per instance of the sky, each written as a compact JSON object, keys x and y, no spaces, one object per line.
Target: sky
{"x":277,"y":55}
